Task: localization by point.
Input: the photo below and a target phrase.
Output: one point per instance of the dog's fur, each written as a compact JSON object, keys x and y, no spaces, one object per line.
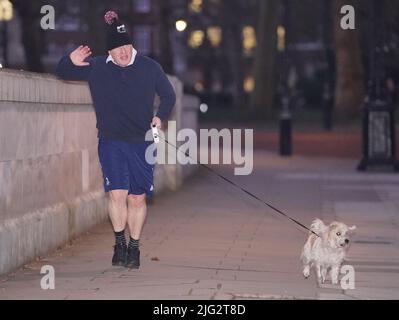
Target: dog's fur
{"x":327,"y":251}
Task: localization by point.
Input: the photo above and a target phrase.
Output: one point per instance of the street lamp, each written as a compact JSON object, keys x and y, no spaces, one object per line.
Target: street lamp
{"x":6,"y":14}
{"x":379,"y":134}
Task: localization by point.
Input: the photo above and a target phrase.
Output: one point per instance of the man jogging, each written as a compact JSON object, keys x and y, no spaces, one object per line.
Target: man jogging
{"x":123,"y":87}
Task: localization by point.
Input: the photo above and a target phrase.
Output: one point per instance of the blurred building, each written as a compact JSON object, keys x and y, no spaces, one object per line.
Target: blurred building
{"x":214,"y":44}
{"x":207,"y":43}
{"x":80,"y":22}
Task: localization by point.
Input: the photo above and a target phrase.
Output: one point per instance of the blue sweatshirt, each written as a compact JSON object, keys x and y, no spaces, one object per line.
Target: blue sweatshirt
{"x":123,"y":97}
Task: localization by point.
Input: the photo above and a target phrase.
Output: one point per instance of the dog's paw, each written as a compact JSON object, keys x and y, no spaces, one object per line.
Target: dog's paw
{"x":306,"y":272}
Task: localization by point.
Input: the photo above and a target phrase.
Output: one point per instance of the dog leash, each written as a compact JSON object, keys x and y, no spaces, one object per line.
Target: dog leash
{"x":157,"y":137}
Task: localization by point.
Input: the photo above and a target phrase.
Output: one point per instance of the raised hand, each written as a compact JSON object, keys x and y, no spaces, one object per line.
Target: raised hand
{"x":79,"y":56}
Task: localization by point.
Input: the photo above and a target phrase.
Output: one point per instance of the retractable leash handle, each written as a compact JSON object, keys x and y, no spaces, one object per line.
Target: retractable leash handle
{"x":155,"y":134}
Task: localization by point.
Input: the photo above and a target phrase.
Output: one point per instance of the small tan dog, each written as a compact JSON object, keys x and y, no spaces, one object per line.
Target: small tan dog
{"x":326,"y":252}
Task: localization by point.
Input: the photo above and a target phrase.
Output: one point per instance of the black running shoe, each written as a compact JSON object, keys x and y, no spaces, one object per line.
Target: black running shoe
{"x":119,"y":258}
{"x":133,"y":258}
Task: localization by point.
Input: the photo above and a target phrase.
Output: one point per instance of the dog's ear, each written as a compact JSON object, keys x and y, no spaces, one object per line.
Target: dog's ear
{"x":334,"y":225}
{"x":353,"y":228}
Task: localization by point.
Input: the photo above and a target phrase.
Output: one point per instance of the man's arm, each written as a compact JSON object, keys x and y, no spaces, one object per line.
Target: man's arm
{"x":166,"y":93}
{"x":74,"y":66}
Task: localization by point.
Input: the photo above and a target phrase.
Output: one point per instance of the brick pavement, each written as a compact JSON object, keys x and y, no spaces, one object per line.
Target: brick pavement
{"x":209,"y":241}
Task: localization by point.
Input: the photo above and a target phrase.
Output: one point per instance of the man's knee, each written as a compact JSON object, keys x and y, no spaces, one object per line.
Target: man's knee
{"x":136,"y":201}
{"x":118,"y":197}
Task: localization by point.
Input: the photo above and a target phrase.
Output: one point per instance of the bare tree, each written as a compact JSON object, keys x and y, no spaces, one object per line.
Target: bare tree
{"x":231,"y":20}
{"x":32,"y":35}
{"x":165,"y":27}
{"x":349,"y":91}
{"x":264,"y":66}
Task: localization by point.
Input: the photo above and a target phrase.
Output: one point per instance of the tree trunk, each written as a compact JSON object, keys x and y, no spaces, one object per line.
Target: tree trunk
{"x":32,"y":34}
{"x":349,"y":90}
{"x":232,"y":34}
{"x":264,"y":67}
{"x":166,"y":56}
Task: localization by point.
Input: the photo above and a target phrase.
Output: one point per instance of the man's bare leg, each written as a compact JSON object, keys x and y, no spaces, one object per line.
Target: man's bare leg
{"x":117,"y":206}
{"x":118,"y":209}
{"x":137,"y":213}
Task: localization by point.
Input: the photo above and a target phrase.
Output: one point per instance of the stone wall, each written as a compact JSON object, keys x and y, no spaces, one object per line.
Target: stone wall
{"x":50,"y":178}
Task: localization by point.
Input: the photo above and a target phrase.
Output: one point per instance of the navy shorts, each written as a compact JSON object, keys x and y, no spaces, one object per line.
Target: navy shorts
{"x":125,"y":167}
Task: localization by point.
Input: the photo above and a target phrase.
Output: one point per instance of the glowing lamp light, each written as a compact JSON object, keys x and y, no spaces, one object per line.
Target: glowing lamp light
{"x":181,"y":25}
{"x":6,"y":10}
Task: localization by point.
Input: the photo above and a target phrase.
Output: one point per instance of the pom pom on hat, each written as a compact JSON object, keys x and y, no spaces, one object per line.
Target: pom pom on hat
{"x":110,"y":17}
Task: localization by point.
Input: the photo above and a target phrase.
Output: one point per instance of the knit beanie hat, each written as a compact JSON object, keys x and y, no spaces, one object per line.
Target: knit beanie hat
{"x":117,"y":35}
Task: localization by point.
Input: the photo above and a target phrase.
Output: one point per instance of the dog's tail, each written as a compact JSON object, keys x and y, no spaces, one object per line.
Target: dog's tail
{"x":318,"y":227}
